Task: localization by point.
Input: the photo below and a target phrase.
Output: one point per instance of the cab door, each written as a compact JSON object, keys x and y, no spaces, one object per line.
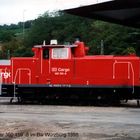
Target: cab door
{"x":45,"y":66}
{"x":61,"y":66}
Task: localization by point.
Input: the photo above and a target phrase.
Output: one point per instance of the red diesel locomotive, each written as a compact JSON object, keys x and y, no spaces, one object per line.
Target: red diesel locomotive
{"x":66,"y":71}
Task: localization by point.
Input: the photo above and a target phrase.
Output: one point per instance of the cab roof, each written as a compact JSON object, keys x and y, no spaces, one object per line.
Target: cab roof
{"x":55,"y":46}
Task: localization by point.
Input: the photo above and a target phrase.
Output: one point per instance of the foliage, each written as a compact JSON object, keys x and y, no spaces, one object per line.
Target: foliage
{"x":11,"y":47}
{"x":66,"y":28}
{"x":129,"y":50}
{"x":118,"y":40}
{"x":11,"y":40}
{"x":60,"y":26}
{"x":6,"y":35}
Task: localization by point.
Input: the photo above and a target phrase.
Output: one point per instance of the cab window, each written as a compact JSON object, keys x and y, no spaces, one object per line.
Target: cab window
{"x":60,"y":53}
{"x":46,"y":54}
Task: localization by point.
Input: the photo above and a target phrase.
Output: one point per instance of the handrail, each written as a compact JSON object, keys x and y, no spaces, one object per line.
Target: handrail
{"x":14,"y":82}
{"x":22,"y":69}
{"x":130,"y":67}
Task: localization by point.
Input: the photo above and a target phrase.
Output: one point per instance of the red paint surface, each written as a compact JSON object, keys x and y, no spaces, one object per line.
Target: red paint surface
{"x":77,"y":69}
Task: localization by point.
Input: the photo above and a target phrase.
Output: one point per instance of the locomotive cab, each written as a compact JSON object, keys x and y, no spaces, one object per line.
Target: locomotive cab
{"x":54,"y":51}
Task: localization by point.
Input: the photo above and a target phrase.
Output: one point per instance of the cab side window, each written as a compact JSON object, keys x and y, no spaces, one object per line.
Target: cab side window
{"x":46,"y":53}
{"x":60,"y":53}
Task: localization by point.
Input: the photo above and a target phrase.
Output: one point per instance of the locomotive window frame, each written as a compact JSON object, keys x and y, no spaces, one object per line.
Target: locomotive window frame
{"x":60,"y":53}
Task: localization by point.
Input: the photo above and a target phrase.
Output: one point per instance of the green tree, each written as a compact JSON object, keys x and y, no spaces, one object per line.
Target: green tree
{"x":6,"y":35}
{"x":66,"y":28}
{"x":60,"y":26}
{"x":116,"y":38}
{"x":12,"y":47}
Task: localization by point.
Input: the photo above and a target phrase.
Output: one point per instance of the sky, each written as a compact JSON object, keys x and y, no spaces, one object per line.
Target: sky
{"x":14,"y":11}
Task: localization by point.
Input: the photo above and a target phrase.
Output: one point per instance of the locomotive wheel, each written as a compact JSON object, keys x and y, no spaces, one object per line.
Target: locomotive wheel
{"x":138,"y":103}
{"x":11,"y":100}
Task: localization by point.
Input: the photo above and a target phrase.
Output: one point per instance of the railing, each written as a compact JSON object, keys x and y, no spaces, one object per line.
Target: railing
{"x":19,"y":71}
{"x":130,"y":68}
